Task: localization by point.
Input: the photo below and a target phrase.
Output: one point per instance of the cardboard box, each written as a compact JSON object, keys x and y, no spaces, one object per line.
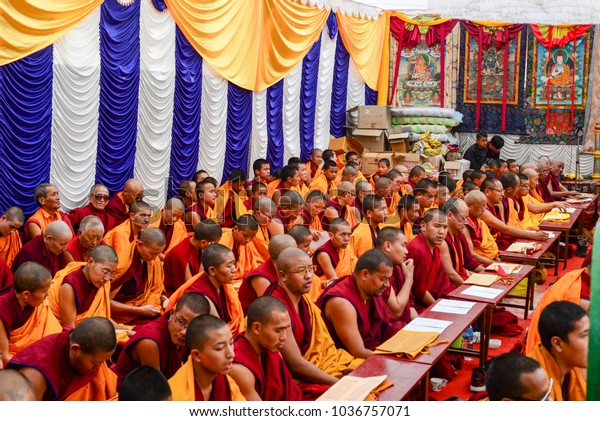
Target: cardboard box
{"x":373,"y":140}
{"x":457,"y":168}
{"x":341,"y":145}
{"x":410,"y":160}
{"x":372,"y":116}
{"x":437,"y":161}
{"x":398,"y":140}
{"x":370,"y":160}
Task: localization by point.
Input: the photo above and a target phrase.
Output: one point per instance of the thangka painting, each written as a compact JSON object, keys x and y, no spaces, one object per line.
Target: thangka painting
{"x":559,"y":74}
{"x":419,"y":76}
{"x":492,"y":72}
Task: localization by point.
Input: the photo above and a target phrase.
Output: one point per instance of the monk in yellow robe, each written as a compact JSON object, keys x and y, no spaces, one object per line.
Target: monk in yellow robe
{"x":47,"y":196}
{"x":364,"y":235}
{"x":238,"y":240}
{"x":341,"y":206}
{"x":335,"y":259}
{"x":290,"y":179}
{"x":310,"y":216}
{"x":315,"y":164}
{"x":170,"y":221}
{"x":10,"y":238}
{"x":302,"y":188}
{"x":530,"y":209}
{"x":409,"y":212}
{"x":325,"y":181}
{"x":481,"y":242}
{"x":233,"y":195}
{"x":264,"y":212}
{"x":123,"y":235}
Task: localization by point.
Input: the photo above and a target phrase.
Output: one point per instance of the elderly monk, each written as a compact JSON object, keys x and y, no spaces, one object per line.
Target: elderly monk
{"x":340,"y":206}
{"x":529,"y":210}
{"x":324,"y":182}
{"x":264,"y":212}
{"x":170,"y":221}
{"x":71,"y":365}
{"x":542,"y":192}
{"x":187,"y":192}
{"x":136,"y":291}
{"x":290,"y":178}
{"x":363,"y":236}
{"x":353,"y":308}
{"x":430,"y":279}
{"x":48,"y":249}
{"x":90,"y":236}
{"x":185,"y":259}
{"x":257,"y":281}
{"x":14,"y":386}
{"x":10,"y":238}
{"x":258,"y":367}
{"x":556,"y":189}
{"x":202,"y":210}
{"x":288,"y":210}
{"x":161,"y":343}
{"x":204,"y":376}
{"x":98,"y":199}
{"x":455,"y":253}
{"x":121,"y":236}
{"x":24,"y":317}
{"x":335,"y":259}
{"x":215,"y":283}
{"x":404,"y":187}
{"x":47,"y":196}
{"x":310,"y":354}
{"x":481,"y":242}
{"x":238,"y":241}
{"x":119,"y":206}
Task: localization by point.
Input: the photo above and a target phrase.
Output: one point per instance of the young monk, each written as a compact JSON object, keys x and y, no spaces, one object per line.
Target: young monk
{"x":47,"y":196}
{"x":161,"y":343}
{"x":186,"y":190}
{"x":426,"y":193}
{"x":71,"y":365}
{"x":24,"y":318}
{"x":395,"y":190}
{"x":121,"y":236}
{"x":340,"y":206}
{"x":10,"y":238}
{"x":335,"y":259}
{"x":325,"y":181}
{"x":302,"y":188}
{"x":145,"y":383}
{"x":98,"y":199}
{"x":302,"y":236}
{"x":238,"y":241}
{"x":258,"y":367}
{"x":363,"y":189}
{"x":409,"y":212}
{"x":314,"y":165}
{"x":233,"y":196}
{"x":416,"y":174}
{"x":206,"y":193}
{"x":185,"y":259}
{"x":288,"y":210}
{"x":264,"y":212}
{"x":383,"y":188}
{"x":363,"y":236}
{"x":169,"y":220}
{"x":119,"y":205}
{"x":290,"y":178}
{"x":204,"y":376}
{"x":262,"y":173}
{"x":310,"y":214}
{"x":383,"y":166}
{"x":90,"y":236}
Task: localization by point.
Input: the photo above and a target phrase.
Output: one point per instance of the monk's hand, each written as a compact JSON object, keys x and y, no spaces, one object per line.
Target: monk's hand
{"x":560,"y":205}
{"x":316,"y":235}
{"x":148,"y":311}
{"x":408,"y":268}
{"x":165,"y":302}
{"x":540,"y":236}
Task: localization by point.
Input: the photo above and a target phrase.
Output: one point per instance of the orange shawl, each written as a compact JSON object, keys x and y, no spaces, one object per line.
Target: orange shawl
{"x":41,"y":323}
{"x":103,"y":387}
{"x":245,"y":259}
{"x":320,"y":183}
{"x":9,"y":247}
{"x":118,"y":237}
{"x":183,"y":385}
{"x":362,"y":239}
{"x":179,"y":231}
{"x":260,"y":245}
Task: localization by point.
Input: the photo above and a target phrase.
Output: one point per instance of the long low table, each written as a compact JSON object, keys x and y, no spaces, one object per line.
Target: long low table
{"x":545,"y":246}
{"x":564,"y":227}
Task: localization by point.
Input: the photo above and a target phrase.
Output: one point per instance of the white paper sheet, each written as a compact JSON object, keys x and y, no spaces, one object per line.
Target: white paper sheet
{"x":352,"y":388}
{"x":423,"y":324}
{"x":453,"y":306}
{"x":322,"y":240}
{"x":483,"y":292}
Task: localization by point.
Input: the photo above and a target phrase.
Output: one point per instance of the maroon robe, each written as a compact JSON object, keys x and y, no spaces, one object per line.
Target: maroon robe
{"x":272,"y":379}
{"x":84,"y":291}
{"x":50,"y":356}
{"x":396,"y":282}
{"x":460,"y":254}
{"x":246,"y":293}
{"x":411,"y":184}
{"x":542,"y":189}
{"x":329,"y":249}
{"x":75,"y":249}
{"x":429,"y":274}
{"x":221,"y":391}
{"x":36,"y":251}
{"x":117,"y":210}
{"x":171,"y":356}
{"x":6,"y":275}
{"x":77,"y":214}
{"x":176,"y":261}
{"x":283,"y":220}
{"x":12,"y":316}
{"x":358,"y":205}
{"x":203,"y":286}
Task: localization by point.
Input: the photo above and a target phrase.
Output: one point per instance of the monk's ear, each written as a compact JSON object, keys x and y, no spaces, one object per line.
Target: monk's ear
{"x":255,"y":328}
{"x":556,"y":343}
{"x":195,"y":355}
{"x":330,"y":234}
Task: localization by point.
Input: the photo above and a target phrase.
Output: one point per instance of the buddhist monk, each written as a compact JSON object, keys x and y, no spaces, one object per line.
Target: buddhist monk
{"x":302,"y":236}
{"x":23,"y":316}
{"x":324,"y":182}
{"x":498,"y":167}
{"x":335,"y":259}
{"x":530,"y":211}
{"x":349,"y":174}
{"x":187,"y":192}
{"x":310,"y":216}
{"x":481,"y":242}
{"x":98,"y":199}
{"x":199,"y":176}
{"x":383,"y":167}
{"x":430,"y":279}
{"x":161,"y":343}
{"x":206,"y":193}
{"x":257,"y":281}
{"x":60,"y":365}
{"x":302,"y":188}
{"x":409,"y":211}
{"x":119,"y":205}
{"x":47,"y":196}
{"x":238,"y":241}
{"x":264,"y":212}
{"x":290,"y":178}
{"x":215,"y":283}
{"x":543,"y":169}
{"x":555,"y":187}
{"x":14,"y":386}
{"x":515,"y":377}
{"x":341,"y":206}
{"x":426,"y":193}
{"x":136,"y":291}
{"x":403,"y":187}
{"x":354,"y":311}
{"x":126,"y":233}
{"x":232,"y":194}
{"x":416,"y":174}
{"x":359,"y":175}
{"x":363,"y":236}
{"x":455,"y":254}
{"x":170,"y":221}
{"x":395,"y":190}
{"x":10,"y":238}
{"x":204,"y":376}
{"x":363,"y":189}
{"x":258,"y":367}
{"x":48,"y":249}
{"x":258,"y":191}
{"x":145,"y":383}
{"x":383,"y":188}
{"x":512,"y":165}
{"x":564,"y":329}
{"x":6,"y":275}
{"x":315,"y":164}
{"x":185,"y":259}
{"x":90,"y":233}
{"x":262,"y":173}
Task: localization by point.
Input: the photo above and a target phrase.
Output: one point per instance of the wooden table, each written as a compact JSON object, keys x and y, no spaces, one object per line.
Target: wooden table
{"x":404,"y":374}
{"x":588,"y":186}
{"x":564,"y":227}
{"x":524,"y":259}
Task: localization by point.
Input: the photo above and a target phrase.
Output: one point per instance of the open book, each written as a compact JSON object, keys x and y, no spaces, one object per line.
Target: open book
{"x":407,"y":342}
{"x":519,"y":247}
{"x":506,"y":267}
{"x":481,"y":279}
{"x":352,"y":388}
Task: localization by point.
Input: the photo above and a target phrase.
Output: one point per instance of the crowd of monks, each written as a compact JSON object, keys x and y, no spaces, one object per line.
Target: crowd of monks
{"x":267,"y":288}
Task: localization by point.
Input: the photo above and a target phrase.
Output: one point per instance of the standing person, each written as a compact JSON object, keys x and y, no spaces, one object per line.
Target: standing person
{"x":477,"y":154}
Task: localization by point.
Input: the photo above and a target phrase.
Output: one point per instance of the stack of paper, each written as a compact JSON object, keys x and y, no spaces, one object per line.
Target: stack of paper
{"x":518,"y":247}
{"x":407,"y":343}
{"x":453,"y":306}
{"x":423,"y":324}
{"x":352,"y":388}
{"x":481,"y":279}
{"x":476,"y":291}
{"x":507,"y":267}
{"x":556,"y":216}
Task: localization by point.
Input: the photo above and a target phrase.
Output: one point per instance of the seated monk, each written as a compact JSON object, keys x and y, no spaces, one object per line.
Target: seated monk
{"x":481,"y":242}
{"x":6,"y":275}
{"x":425,"y":192}
{"x":455,"y":254}
{"x":416,"y":174}
{"x":335,"y":259}
{"x":264,"y":212}
{"x":340,"y":206}
{"x":47,"y":250}
{"x":542,"y":192}
{"x":145,"y":383}
{"x":119,"y":205}
{"x":349,"y":174}
{"x":443,"y":194}
{"x":215,"y":283}
{"x":430,"y":279}
{"x":199,"y":176}
{"x":233,"y":194}
{"x":310,"y":354}
{"x":530,"y":210}
{"x":257,"y":281}
{"x":136,"y":291}
{"x":258,"y":368}
{"x":71,"y":365}
{"x":185,"y":259}
{"x":409,"y":211}
{"x":302,"y":188}
{"x":169,"y":221}
{"x":186,"y":190}
{"x":498,"y":167}
{"x":290,"y":178}
{"x":202,"y":210}
{"x":238,"y":241}
{"x":564,"y":329}
{"x":515,"y":377}
{"x":161,"y":343}
{"x":383,"y":188}
{"x":90,"y":233}
{"x":315,"y":164}
{"x":354,"y":311}
{"x":383,"y":167}
{"x":555,"y":187}
{"x":363,"y":189}
{"x":47,"y":196}
{"x":126,"y":233}
{"x":364,"y":234}
{"x":573,"y":286}
{"x":10,"y":238}
{"x":24,"y":316}
{"x":324,"y":182}
{"x":14,"y":386}
{"x":302,"y":236}
{"x":98,"y":199}
{"x":262,"y":173}
{"x":398,"y":296}
{"x":403,"y":187}
{"x":259,"y":190}
{"x":310,"y":216}
{"x":204,"y":376}
{"x":395,"y":190}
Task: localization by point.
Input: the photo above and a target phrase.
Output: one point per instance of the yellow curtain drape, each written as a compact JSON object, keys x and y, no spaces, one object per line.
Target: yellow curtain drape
{"x":384,"y":65}
{"x":365,"y":39}
{"x":421,"y":20}
{"x":252,"y":43}
{"x":27,"y":26}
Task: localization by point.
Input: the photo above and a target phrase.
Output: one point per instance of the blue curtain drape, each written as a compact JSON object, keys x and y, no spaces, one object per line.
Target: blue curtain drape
{"x":275,"y":125}
{"x":308,"y":100}
{"x":339,"y":91}
{"x":239,"y":129}
{"x":370,"y":96}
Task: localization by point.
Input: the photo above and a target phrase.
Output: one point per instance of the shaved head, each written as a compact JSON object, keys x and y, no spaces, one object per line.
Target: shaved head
{"x":153,"y":236}
{"x":175,"y":203}
{"x":14,"y":386}
{"x":58,"y":229}
{"x":31,"y":276}
{"x":95,"y":334}
{"x":346,"y":186}
{"x":528,"y":165}
{"x":289,"y":257}
{"x":279,"y":243}
{"x":133,"y":185}
{"x":475,"y":197}
{"x":91,"y":223}
{"x":264,"y":204}
{"x":104,"y":254}
{"x":14,"y":214}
